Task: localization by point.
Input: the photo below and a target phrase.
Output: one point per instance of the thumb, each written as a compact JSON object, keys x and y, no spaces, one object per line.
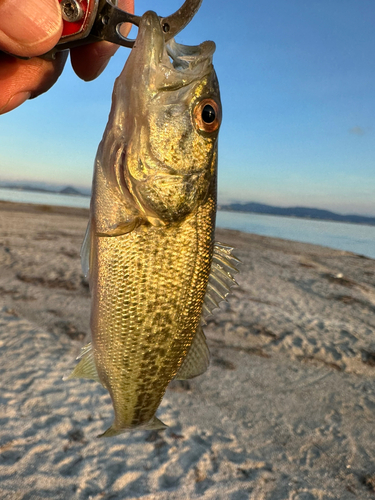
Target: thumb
{"x":29,"y":27}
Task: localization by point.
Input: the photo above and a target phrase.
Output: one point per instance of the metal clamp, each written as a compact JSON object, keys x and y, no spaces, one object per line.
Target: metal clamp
{"x":88,"y":21}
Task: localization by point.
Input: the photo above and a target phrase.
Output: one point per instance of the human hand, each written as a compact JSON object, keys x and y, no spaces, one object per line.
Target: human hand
{"x":30,"y":28}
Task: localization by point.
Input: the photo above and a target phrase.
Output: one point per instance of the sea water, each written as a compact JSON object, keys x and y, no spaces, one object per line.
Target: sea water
{"x":41,"y":198}
{"x":355,"y":238}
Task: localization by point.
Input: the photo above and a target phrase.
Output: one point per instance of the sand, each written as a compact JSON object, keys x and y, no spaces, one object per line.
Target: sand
{"x":285,"y":411}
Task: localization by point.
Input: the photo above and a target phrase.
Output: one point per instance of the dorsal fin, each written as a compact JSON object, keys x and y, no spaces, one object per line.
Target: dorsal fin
{"x":221,"y":278}
{"x":219,"y":284}
{"x":197,"y":359}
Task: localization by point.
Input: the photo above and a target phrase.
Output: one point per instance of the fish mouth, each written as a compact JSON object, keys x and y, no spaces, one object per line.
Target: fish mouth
{"x":171,"y":64}
{"x":150,"y":39}
{"x":162,"y":67}
{"x":165,"y":189}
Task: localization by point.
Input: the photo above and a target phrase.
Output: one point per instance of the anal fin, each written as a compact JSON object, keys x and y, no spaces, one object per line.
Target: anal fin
{"x":86,"y":368}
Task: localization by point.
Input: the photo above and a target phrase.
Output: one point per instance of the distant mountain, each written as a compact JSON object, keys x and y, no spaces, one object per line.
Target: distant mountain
{"x":37,"y":188}
{"x":26,"y":187}
{"x":303,"y":212}
{"x":70,"y":190}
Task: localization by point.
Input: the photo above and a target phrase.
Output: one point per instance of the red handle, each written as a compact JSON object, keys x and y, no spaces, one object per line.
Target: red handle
{"x":73,"y":30}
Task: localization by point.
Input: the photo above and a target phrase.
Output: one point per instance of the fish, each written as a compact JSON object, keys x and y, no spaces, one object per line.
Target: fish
{"x":154,"y":270}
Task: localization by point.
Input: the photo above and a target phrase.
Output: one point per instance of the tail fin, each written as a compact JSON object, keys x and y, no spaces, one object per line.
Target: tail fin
{"x":153,"y":425}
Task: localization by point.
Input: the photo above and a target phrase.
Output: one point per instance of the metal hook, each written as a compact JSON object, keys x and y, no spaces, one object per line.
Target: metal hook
{"x":102,"y":19}
{"x":109,"y":18}
{"x":176,"y":22}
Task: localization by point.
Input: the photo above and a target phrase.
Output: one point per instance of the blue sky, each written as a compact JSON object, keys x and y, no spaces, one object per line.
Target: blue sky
{"x":297,"y":79}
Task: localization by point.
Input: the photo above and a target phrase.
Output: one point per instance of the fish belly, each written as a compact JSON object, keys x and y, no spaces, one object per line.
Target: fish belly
{"x":148,"y":288}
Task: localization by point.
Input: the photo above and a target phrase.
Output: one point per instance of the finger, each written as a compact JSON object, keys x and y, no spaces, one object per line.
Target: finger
{"x":29,"y":28}
{"x":89,"y":61}
{"x":24,"y":79}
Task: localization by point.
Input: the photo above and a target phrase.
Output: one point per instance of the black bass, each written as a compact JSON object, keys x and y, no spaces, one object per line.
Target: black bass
{"x":154,"y":270}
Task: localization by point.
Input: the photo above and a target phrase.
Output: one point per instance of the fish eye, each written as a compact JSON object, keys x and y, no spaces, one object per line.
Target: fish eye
{"x":207,"y":115}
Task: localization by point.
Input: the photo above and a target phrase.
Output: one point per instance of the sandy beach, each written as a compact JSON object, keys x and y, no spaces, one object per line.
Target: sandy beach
{"x":286,"y":409}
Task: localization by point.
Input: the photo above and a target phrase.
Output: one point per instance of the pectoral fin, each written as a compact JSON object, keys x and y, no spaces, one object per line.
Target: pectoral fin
{"x":86,"y":368}
{"x":116,"y":230}
{"x":123,"y":227}
{"x":197,"y":359}
{"x":85,"y":251}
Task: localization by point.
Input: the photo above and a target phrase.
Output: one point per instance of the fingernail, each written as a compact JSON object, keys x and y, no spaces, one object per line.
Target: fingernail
{"x":15,"y":101}
{"x":31,"y":22}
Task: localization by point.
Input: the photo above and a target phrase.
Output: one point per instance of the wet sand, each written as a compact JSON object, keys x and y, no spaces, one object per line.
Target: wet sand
{"x":285,"y":411}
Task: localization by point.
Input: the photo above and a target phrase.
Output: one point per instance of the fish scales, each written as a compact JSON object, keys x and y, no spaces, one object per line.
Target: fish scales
{"x":144,"y":332}
{"x":149,"y":249}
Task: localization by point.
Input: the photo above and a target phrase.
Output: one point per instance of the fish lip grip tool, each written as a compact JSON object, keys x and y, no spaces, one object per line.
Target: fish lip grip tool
{"x":89,"y":21}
